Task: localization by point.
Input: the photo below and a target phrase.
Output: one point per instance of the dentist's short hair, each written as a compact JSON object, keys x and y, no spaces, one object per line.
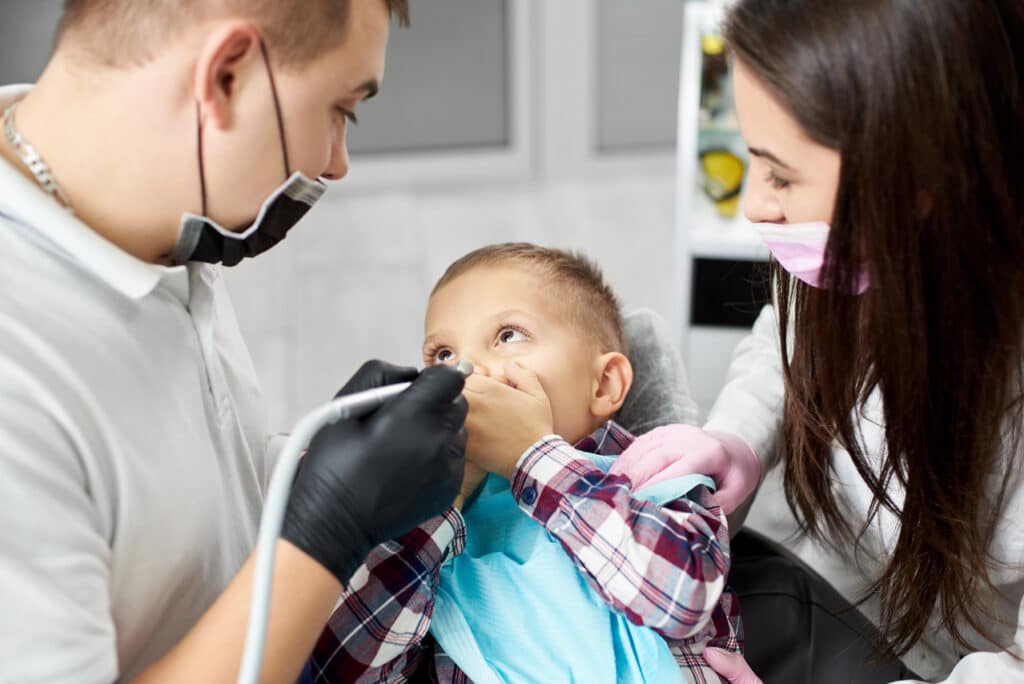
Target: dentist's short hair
{"x":576,"y":284}
{"x":130,"y":32}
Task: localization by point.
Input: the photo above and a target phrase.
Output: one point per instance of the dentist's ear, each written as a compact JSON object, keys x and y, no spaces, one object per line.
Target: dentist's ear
{"x":613,"y":376}
{"x":222,"y":61}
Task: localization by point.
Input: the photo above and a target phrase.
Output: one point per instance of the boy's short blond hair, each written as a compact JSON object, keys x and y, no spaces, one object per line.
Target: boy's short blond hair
{"x":577,"y":286}
{"x":130,"y":32}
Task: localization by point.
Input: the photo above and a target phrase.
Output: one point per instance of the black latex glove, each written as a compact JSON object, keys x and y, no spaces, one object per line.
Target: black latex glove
{"x":373,"y":374}
{"x":368,"y":480}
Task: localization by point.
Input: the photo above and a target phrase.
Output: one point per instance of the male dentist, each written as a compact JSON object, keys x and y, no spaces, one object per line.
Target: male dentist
{"x":164,"y":139}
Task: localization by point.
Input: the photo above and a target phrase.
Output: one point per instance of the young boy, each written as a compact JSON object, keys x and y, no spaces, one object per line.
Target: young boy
{"x":548,"y":568}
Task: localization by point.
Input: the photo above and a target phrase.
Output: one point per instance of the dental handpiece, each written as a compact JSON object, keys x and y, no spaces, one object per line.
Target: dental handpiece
{"x":348,"y":406}
{"x":368,"y":401}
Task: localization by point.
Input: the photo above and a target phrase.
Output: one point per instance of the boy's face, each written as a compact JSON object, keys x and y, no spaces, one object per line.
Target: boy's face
{"x":493,"y":314}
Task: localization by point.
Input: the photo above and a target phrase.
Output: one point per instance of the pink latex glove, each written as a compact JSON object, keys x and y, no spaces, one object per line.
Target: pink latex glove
{"x":732,"y":667}
{"x":672,"y":451}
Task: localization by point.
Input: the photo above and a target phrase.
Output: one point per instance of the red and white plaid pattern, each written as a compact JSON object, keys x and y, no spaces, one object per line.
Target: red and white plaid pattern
{"x":660,"y":566}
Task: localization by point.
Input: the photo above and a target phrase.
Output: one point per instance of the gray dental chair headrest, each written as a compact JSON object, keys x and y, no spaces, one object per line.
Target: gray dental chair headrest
{"x":661,"y":393}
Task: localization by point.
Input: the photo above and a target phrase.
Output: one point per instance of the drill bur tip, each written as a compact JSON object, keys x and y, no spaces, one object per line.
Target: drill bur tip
{"x":465,"y":367}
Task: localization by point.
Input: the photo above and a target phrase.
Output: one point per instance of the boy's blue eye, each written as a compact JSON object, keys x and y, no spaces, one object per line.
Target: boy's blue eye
{"x":444,"y":355}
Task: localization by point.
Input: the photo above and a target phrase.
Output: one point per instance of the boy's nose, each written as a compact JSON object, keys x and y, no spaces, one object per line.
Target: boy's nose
{"x":480,"y":368}
{"x":491,"y":368}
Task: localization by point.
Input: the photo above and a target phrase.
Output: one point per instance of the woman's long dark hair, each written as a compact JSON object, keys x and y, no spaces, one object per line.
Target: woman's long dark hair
{"x":923,"y":100}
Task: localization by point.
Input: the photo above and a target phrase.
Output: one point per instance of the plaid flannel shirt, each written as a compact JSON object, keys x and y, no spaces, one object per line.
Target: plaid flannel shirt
{"x":660,"y":566}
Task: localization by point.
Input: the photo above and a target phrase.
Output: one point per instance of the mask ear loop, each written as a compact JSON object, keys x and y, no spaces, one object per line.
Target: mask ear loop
{"x":280,"y":131}
{"x":199,"y":153}
{"x":277,"y":110}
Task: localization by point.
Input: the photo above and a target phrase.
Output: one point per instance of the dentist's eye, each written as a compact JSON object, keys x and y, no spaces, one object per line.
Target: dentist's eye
{"x":347,"y":114}
{"x":510,"y":335}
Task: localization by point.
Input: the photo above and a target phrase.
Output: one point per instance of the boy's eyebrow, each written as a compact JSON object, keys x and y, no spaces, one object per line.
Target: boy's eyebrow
{"x":512,"y":312}
{"x":430,"y":339}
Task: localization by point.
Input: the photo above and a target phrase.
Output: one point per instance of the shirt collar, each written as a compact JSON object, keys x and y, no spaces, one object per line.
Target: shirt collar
{"x":611,"y":439}
{"x":24,"y":202}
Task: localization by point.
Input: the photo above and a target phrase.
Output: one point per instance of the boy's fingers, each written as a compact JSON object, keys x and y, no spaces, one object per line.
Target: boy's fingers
{"x":524,"y":379}
{"x":481,"y":383}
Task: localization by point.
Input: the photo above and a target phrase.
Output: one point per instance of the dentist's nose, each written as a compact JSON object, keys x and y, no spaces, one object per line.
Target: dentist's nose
{"x":337,"y":165}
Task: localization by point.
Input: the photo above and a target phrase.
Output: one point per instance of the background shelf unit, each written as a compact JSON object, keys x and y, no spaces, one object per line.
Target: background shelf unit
{"x":702,"y":235}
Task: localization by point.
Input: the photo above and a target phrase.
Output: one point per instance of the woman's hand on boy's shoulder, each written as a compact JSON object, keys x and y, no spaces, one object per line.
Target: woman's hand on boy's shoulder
{"x":674,"y":450}
{"x":506,"y":416}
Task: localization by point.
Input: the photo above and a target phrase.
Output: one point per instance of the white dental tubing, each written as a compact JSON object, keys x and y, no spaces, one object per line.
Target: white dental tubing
{"x":350,"y":406}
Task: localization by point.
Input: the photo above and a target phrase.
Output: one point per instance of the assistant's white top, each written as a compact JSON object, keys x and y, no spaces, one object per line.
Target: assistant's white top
{"x":750,"y":406}
{"x":133,"y":446}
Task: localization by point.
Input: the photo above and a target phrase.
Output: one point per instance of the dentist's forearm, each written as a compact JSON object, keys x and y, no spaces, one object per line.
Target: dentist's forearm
{"x":304,"y":594}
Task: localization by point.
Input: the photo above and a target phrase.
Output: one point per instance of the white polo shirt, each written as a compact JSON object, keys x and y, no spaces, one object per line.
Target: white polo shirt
{"x":133,"y":446}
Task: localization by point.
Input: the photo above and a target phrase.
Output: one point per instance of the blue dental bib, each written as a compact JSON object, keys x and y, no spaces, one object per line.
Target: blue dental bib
{"x":513,"y":607}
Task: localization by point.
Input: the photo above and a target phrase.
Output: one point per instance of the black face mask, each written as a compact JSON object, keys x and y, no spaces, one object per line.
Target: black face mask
{"x":202,"y":239}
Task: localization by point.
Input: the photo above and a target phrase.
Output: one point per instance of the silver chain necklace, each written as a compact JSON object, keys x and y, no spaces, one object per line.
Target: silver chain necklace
{"x":39,"y":168}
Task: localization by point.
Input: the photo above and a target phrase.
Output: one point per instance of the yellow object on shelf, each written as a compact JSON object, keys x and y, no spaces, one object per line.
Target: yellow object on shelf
{"x":712,"y":44}
{"x":722,"y":173}
{"x":728,"y":208}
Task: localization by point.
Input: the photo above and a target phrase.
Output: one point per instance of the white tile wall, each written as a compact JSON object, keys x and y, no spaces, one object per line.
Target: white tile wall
{"x":350,"y":283}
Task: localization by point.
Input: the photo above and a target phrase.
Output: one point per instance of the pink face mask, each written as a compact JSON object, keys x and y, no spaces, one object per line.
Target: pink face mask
{"x":800,"y":250}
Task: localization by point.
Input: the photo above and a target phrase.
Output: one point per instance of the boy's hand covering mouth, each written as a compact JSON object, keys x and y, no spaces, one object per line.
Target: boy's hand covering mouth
{"x":505,"y":418}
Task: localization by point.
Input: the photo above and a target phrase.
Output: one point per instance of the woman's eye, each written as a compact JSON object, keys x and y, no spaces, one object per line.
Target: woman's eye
{"x":509,"y":335}
{"x":777,"y":182}
{"x":444,"y":356}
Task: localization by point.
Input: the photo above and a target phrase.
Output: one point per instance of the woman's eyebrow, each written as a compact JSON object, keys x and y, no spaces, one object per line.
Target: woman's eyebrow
{"x":765,"y":154}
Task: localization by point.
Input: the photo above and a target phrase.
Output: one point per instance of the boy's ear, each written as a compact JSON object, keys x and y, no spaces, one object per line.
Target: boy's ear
{"x":613,"y":376}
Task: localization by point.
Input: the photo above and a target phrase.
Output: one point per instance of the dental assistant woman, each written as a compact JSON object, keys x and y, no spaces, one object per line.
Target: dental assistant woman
{"x":887,"y":156}
{"x":134,"y":450}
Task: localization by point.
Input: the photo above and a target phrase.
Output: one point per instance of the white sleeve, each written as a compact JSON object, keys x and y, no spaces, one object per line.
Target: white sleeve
{"x":1004,"y":667}
{"x":54,"y":556}
{"x":275,"y":446}
{"x":750,"y":403}
{"x":1007,"y":550}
